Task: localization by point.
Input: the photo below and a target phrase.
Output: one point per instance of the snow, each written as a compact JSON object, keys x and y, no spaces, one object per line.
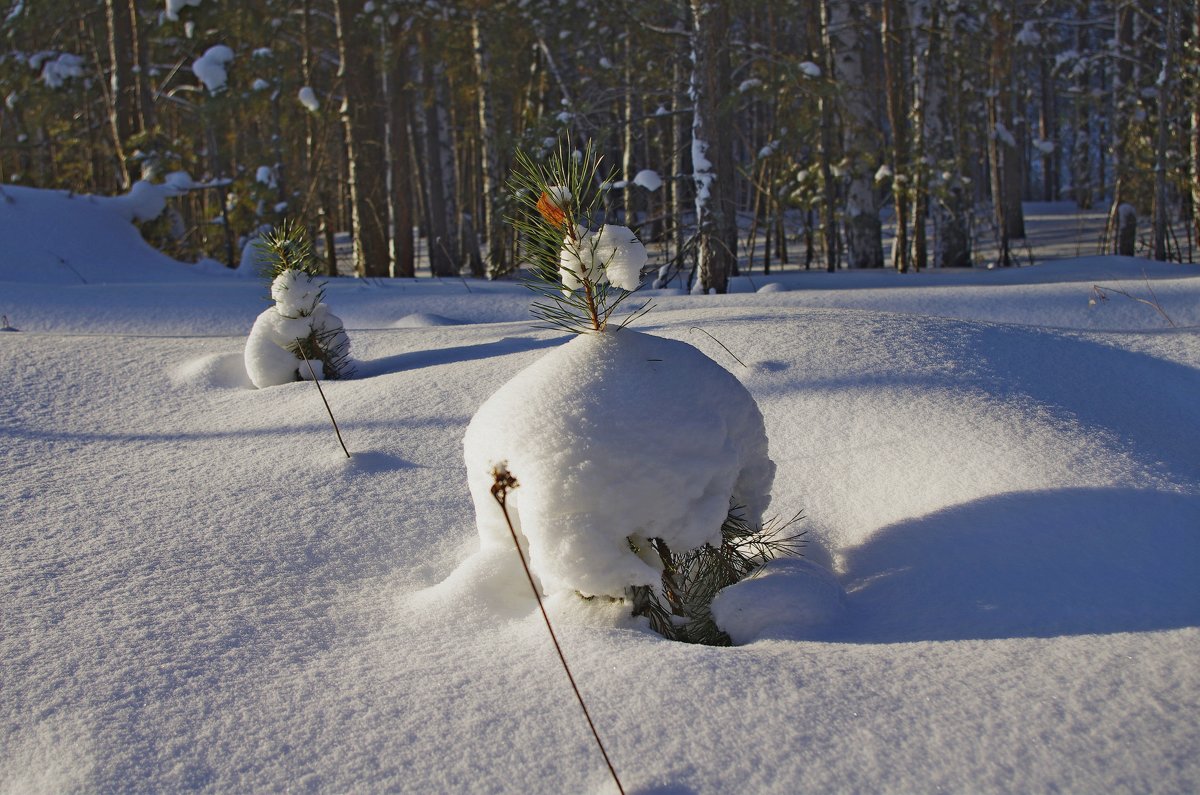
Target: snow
{"x":199,"y":591}
{"x":308,"y":98}
{"x":298,"y":314}
{"x":210,"y":67}
{"x":175,"y":6}
{"x":596,"y":470}
{"x":612,"y":255}
{"x":1004,"y":136}
{"x":648,"y":179}
{"x":810,"y":69}
{"x":57,"y":71}
{"x":55,"y":237}
{"x":1028,"y":36}
{"x":266,"y":175}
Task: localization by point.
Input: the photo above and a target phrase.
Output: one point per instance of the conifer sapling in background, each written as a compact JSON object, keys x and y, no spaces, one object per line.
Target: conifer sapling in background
{"x":298,"y":325}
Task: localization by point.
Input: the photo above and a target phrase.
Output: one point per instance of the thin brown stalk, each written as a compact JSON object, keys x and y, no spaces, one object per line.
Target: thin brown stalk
{"x":313,"y":373}
{"x":714,"y":339}
{"x":503,"y":482}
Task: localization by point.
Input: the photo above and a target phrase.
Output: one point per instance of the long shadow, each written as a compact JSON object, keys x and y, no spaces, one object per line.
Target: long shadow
{"x":1029,"y":564}
{"x":460,"y":353}
{"x":1147,"y":404}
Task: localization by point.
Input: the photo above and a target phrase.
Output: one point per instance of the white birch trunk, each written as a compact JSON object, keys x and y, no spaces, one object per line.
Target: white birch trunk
{"x":497,"y":260}
{"x":860,"y":136}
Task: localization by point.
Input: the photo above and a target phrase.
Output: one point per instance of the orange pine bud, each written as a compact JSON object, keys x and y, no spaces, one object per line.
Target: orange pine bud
{"x":551,"y":211}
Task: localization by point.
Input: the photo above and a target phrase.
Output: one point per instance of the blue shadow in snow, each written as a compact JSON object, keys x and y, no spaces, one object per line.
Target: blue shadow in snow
{"x":1029,"y":564}
{"x":461,"y":353}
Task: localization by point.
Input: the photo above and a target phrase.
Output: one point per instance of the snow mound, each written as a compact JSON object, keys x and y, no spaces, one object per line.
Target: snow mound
{"x":58,"y":237}
{"x":220,"y":370}
{"x":584,"y":432}
{"x":773,"y":287}
{"x":425,"y":320}
{"x":786,"y":597}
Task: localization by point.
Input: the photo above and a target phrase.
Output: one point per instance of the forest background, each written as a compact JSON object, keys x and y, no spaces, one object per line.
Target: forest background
{"x":776,"y":129}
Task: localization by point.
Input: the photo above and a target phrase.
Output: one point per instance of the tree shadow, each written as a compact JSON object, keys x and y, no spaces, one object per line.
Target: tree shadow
{"x":1029,"y":564}
{"x":460,"y":353}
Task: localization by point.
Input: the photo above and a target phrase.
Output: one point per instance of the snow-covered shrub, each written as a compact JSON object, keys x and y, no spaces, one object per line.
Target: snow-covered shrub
{"x":298,"y":326}
{"x":614,"y":500}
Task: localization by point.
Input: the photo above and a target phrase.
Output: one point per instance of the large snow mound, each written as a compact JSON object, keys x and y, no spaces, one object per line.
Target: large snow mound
{"x":59,"y":237}
{"x":585,"y":431}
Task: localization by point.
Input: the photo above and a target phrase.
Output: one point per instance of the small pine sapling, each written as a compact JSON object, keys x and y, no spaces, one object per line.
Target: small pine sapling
{"x":582,"y":270}
{"x":581,"y":276}
{"x":299,"y":326}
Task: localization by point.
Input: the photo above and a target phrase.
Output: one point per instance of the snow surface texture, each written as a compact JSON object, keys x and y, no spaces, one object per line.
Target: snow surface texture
{"x":595,"y":469}
{"x":199,"y":592}
{"x":298,"y":314}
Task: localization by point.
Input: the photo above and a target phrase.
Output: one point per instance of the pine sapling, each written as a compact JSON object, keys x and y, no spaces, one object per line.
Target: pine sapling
{"x":580,"y":275}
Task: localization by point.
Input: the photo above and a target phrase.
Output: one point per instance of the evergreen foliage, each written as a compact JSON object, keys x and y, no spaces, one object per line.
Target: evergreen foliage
{"x":287,"y":247}
{"x":559,"y":200}
{"x":681,"y":610}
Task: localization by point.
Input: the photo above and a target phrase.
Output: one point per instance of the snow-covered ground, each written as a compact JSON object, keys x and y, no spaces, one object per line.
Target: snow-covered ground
{"x":199,"y":591}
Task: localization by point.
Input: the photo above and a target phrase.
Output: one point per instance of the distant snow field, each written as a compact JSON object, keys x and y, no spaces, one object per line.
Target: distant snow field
{"x":999,"y":472}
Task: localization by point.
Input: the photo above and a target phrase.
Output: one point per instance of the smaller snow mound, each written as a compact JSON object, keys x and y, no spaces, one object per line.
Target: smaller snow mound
{"x":786,"y":597}
{"x":773,"y":287}
{"x":57,"y":237}
{"x":425,"y":320}
{"x":220,"y":370}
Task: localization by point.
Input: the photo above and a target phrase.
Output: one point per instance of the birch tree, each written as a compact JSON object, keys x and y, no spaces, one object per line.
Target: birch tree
{"x":712,"y":156}
{"x":860,"y":137}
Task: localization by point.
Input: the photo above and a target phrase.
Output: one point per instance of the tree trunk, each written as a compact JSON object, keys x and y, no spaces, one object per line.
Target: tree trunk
{"x":400,"y":193}
{"x":362,"y":119}
{"x":1124,"y":102}
{"x":497,"y":250}
{"x":894,"y":82}
{"x":829,"y":197}
{"x":860,"y":137}
{"x":122,"y":91}
{"x":1004,"y":154}
{"x":1081,"y":149}
{"x":1166,"y":82}
{"x":712,"y":149}
{"x":441,"y":260}
{"x":1194,"y":101}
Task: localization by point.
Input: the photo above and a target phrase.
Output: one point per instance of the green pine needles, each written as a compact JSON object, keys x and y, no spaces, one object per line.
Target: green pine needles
{"x":317,"y":335}
{"x":682,"y":610}
{"x":288,"y":248}
{"x":581,"y":276}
